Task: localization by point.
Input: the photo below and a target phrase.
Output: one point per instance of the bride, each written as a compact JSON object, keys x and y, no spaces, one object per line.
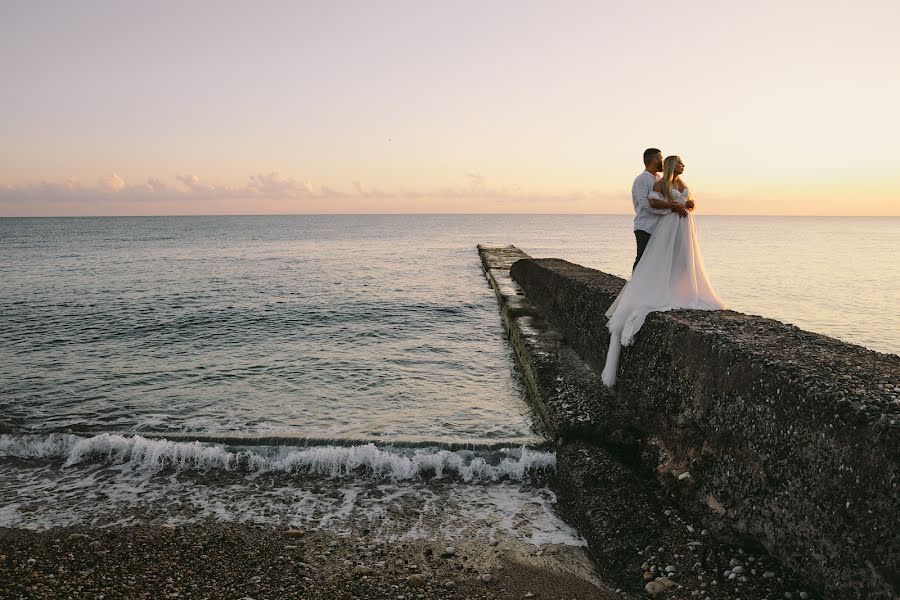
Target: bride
{"x":670,"y":274}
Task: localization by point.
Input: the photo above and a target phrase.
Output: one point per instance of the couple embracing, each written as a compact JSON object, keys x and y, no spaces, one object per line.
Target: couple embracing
{"x":668,"y":272}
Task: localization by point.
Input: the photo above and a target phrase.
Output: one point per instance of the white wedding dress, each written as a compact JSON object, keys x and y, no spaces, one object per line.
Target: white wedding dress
{"x":670,"y":275}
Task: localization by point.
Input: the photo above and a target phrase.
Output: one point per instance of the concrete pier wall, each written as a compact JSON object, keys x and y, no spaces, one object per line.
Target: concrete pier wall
{"x":759,"y":428}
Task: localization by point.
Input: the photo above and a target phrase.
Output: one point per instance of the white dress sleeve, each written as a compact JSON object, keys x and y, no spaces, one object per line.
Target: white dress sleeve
{"x":658,"y":211}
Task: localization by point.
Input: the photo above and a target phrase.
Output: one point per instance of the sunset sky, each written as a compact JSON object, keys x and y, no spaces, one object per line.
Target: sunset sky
{"x":163,"y":107}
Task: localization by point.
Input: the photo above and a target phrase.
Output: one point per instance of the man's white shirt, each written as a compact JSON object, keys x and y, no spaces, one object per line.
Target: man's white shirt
{"x":645,"y":215}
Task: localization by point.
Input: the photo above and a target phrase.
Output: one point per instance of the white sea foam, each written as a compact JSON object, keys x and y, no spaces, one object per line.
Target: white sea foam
{"x":65,"y":481}
{"x":396,"y":464}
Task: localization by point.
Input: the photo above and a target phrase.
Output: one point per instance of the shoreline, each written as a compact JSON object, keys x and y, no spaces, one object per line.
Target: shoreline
{"x":225,"y":560}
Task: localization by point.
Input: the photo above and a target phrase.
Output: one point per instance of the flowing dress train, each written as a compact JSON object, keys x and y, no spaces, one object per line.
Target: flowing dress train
{"x":669,"y":276}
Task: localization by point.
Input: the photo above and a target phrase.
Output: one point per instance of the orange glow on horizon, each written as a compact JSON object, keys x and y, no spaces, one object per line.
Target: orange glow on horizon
{"x":426,"y":108}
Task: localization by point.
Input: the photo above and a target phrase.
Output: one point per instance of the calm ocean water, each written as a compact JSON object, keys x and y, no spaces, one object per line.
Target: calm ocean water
{"x":304,"y":338}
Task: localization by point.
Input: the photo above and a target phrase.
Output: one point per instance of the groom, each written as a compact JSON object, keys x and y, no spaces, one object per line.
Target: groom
{"x":646,"y":215}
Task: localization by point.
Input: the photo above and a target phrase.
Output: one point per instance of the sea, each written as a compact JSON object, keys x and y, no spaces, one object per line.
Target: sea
{"x":336,"y":372}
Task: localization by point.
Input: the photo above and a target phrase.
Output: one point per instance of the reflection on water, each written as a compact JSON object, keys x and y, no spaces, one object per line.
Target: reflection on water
{"x":358,"y":326}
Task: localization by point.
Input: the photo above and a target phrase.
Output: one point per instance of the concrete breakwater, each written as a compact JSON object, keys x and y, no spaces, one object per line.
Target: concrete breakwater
{"x":751,"y":428}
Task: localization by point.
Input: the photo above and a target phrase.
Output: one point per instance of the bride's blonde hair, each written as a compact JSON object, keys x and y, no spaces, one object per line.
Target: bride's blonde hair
{"x":668,"y":177}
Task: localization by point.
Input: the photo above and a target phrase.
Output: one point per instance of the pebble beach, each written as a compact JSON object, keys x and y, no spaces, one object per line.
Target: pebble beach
{"x":234,"y":561}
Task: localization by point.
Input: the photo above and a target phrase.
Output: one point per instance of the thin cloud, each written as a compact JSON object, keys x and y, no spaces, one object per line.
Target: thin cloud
{"x":274,"y":191}
{"x":476,"y":182}
{"x":188,"y":182}
{"x":155,"y":185}
{"x":111,"y":183}
{"x":274,"y":184}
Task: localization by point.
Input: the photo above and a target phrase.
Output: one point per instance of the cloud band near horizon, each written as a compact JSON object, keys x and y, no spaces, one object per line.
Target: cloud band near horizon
{"x":275,"y":192}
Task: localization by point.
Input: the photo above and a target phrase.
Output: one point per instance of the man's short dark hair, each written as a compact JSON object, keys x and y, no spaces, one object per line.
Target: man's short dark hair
{"x":649,"y":153}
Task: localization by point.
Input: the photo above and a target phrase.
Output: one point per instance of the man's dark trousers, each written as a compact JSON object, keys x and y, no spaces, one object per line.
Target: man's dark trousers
{"x":642,"y":238}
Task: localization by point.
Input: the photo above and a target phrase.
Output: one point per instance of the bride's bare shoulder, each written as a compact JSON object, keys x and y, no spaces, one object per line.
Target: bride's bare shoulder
{"x":657,"y":187}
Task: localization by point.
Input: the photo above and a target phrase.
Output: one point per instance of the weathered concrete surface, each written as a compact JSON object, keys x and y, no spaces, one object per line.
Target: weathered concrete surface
{"x":611,"y":506}
{"x":606,"y":501}
{"x":557,"y":287}
{"x":571,"y":399}
{"x":789,"y":437}
{"x":633,"y":528}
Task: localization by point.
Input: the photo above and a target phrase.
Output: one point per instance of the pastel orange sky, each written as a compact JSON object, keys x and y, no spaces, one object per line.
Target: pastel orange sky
{"x":121,"y":107}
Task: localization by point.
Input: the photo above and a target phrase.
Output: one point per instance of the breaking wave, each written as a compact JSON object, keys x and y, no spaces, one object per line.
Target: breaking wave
{"x":333,"y":461}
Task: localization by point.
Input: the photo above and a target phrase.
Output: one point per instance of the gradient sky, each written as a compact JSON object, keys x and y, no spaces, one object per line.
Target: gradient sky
{"x":125,"y":107}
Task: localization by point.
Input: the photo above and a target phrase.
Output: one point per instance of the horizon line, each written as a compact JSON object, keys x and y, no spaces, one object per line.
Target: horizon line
{"x":387,"y":214}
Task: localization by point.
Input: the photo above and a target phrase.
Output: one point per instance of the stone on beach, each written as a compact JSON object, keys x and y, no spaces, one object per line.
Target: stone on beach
{"x":658,"y":587}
